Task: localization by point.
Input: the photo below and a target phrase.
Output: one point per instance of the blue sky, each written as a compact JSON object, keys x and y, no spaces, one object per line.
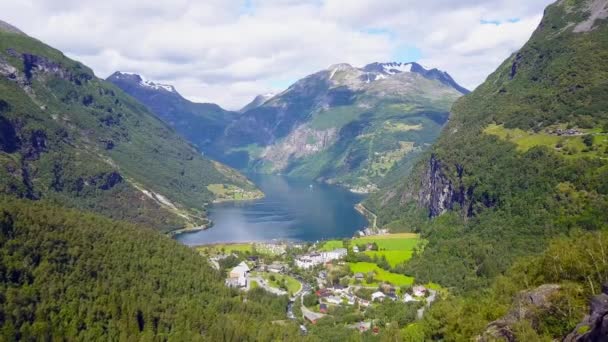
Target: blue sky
{"x":227,"y":51}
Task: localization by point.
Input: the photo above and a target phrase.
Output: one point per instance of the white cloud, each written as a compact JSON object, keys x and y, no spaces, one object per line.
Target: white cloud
{"x":229,"y":51}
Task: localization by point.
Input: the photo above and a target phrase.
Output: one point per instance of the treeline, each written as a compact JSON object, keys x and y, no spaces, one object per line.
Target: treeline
{"x":69,"y":275}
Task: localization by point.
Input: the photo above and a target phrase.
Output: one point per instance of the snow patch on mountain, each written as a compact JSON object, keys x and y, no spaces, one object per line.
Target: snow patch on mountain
{"x":395,"y":68}
{"x":145,"y":82}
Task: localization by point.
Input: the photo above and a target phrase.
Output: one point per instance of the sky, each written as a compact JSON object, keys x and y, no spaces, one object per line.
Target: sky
{"x":228,"y":51}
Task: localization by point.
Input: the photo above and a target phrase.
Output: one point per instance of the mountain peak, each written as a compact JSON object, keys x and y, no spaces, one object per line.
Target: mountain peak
{"x":340,"y":66}
{"x":6,"y":27}
{"x":141,"y":81}
{"x":257,"y":101}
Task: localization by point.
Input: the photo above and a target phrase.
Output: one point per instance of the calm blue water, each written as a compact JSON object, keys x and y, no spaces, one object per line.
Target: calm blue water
{"x":291,"y":210}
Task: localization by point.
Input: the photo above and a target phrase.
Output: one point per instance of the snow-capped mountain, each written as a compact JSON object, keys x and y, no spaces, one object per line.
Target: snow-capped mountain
{"x":130,"y":76}
{"x":367,"y":118}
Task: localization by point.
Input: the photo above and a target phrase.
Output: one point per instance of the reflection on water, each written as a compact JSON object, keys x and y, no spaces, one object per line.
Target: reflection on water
{"x":292,"y":210}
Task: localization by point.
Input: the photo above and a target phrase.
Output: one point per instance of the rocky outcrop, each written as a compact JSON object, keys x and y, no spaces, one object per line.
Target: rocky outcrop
{"x":302,"y":142}
{"x":526,"y":305}
{"x":39,"y":66}
{"x":438,"y":193}
{"x":598,"y":10}
{"x":594,"y":327}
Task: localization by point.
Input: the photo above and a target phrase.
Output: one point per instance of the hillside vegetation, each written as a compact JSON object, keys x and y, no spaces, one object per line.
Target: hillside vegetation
{"x":75,"y":276}
{"x":69,"y":137}
{"x":521,"y":167}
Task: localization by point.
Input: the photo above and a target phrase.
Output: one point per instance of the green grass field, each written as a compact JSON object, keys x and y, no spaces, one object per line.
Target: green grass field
{"x":330,"y":245}
{"x":391,"y":242}
{"x":394,"y":258}
{"x":293,"y":285}
{"x":225,"y":247}
{"x":381,"y":275}
{"x":569,"y":146}
{"x":233,"y":247}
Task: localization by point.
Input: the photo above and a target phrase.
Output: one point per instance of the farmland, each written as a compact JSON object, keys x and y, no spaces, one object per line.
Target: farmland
{"x":380,"y":275}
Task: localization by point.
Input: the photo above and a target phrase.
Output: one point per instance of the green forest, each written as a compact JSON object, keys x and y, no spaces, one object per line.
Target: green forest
{"x":69,"y":275}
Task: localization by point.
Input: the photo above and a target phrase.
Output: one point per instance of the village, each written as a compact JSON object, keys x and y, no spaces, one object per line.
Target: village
{"x":329,"y":278}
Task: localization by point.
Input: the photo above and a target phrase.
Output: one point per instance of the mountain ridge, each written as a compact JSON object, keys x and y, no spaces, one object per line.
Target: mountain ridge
{"x":73,"y":138}
{"x":297,"y":130}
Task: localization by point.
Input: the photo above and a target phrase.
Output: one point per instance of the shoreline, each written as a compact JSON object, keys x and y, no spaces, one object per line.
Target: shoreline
{"x":361,"y":209}
{"x":179,"y":231}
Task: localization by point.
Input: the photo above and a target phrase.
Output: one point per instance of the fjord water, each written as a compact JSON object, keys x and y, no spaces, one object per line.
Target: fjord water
{"x":293,"y":209}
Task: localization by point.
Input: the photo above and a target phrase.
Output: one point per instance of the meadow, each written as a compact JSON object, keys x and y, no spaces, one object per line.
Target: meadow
{"x":380,"y":274}
{"x":223,"y":248}
{"x":292,"y":284}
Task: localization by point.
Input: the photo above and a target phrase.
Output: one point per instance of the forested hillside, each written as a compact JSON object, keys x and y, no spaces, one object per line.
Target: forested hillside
{"x":522,"y":162}
{"x":74,"y":276}
{"x":199,"y":123}
{"x":69,"y":137}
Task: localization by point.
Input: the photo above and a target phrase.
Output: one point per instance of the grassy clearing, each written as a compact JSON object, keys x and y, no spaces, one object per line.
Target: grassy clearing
{"x":225,"y":192}
{"x":401,"y":127}
{"x":335,"y":117}
{"x":569,"y":146}
{"x":225,"y":248}
{"x":292,"y":284}
{"x":330,"y":245}
{"x":394,"y":258}
{"x":380,"y":274}
{"x":391,"y":242}
{"x":381,"y":163}
{"x":234,"y":247}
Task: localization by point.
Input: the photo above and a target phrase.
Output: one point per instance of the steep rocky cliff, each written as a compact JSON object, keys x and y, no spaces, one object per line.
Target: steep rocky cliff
{"x":594,"y":328}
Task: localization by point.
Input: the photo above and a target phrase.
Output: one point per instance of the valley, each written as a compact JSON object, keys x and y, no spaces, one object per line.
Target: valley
{"x":376,"y":201}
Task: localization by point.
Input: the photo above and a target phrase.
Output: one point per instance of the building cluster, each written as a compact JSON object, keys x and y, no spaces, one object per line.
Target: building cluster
{"x":310,"y":260}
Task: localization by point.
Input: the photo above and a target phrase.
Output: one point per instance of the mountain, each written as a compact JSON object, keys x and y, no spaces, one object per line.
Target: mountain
{"x":344,"y":124}
{"x":71,"y":138}
{"x":515,"y":191}
{"x":257,"y":101}
{"x":200,"y":123}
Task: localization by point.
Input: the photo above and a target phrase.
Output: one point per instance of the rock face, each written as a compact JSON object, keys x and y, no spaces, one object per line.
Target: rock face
{"x":594,"y":327}
{"x":525,"y":306}
{"x":303,"y":141}
{"x":438,"y":193}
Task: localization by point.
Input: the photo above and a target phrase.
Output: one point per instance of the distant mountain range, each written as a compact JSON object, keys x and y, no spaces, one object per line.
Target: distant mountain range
{"x":342,"y":125}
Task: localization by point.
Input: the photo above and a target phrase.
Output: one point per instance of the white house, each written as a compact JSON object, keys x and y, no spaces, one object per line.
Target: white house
{"x":238,"y":275}
{"x":378,"y":296}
